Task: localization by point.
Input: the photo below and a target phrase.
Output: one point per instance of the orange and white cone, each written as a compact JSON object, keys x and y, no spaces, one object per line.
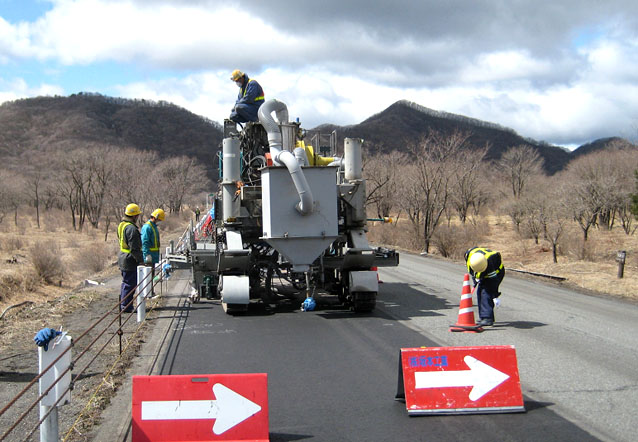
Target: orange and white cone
{"x":465,"y":322}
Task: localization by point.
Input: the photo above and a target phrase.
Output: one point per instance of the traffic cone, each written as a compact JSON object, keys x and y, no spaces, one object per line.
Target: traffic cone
{"x":465,"y":322}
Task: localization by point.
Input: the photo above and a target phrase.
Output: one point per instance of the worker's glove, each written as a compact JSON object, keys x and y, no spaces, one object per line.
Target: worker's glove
{"x":148,"y":260}
{"x":45,"y":335}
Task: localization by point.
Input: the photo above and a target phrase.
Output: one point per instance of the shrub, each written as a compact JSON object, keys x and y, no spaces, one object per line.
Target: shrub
{"x":452,"y":241}
{"x":92,"y":257}
{"x":17,"y":281}
{"x":46,"y":261}
{"x":11,"y":244}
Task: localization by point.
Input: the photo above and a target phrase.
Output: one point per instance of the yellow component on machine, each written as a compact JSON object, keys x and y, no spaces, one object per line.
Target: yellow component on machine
{"x":314,"y":159}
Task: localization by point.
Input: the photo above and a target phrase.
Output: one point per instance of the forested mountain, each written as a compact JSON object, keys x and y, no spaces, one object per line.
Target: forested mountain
{"x":47,"y":124}
{"x":56,"y":123}
{"x":404,"y":123}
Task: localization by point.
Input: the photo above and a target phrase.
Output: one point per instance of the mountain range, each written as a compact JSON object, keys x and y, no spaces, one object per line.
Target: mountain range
{"x":53,"y":123}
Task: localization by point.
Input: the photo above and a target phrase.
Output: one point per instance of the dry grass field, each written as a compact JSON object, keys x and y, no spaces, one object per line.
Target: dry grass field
{"x":591,"y":266}
{"x":40,"y":265}
{"x":46,"y":268}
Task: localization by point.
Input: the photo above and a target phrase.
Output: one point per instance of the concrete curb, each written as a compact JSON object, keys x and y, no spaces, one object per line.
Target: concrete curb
{"x":115,"y":422}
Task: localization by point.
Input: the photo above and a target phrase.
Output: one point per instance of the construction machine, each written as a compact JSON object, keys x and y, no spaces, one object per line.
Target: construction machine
{"x":288,"y":222}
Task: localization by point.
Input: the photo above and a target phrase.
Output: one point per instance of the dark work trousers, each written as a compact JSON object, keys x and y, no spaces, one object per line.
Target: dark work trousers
{"x":129,"y":281}
{"x":486,"y":291}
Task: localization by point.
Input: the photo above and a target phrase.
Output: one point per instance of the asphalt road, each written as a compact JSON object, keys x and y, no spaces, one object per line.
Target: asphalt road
{"x":332,"y":375}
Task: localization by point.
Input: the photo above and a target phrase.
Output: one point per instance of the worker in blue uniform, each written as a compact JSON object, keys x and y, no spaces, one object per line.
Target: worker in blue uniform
{"x":250,"y":98}
{"x":151,"y":237}
{"x":487,"y":271}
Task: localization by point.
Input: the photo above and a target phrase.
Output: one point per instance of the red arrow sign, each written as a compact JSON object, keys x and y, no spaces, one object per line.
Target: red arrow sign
{"x":200,"y":407}
{"x":460,"y":380}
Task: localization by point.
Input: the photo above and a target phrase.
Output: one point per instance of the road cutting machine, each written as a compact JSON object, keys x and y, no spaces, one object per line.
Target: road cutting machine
{"x":287,"y":224}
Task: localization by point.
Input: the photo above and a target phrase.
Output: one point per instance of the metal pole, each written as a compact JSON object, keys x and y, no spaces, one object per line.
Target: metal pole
{"x":119,"y":330}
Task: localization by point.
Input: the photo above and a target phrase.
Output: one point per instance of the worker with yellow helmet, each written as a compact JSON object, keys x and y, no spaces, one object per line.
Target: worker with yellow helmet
{"x":151,"y":237}
{"x":250,"y":98}
{"x":130,"y":255}
{"x":487,"y":270}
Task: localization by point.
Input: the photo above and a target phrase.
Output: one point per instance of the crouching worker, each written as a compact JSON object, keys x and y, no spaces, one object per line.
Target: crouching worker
{"x":487,"y":270}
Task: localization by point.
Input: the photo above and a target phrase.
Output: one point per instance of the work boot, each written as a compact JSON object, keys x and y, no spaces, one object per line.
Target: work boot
{"x":486,"y":322}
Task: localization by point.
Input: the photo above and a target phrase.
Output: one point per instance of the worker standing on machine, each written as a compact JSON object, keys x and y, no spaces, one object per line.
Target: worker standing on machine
{"x":250,"y":98}
{"x":487,"y":270}
{"x":130,"y":255}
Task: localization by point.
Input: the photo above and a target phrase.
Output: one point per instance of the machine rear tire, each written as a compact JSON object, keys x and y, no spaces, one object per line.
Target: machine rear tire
{"x":364,"y":302}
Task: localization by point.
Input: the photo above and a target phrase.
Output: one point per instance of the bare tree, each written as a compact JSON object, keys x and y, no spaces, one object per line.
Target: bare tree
{"x":434,"y":160}
{"x":409,"y":198}
{"x":517,"y":211}
{"x":180,"y":176}
{"x":35,"y":177}
{"x":380,"y":172}
{"x":468,"y":187}
{"x":519,"y":164}
{"x":554,"y":220}
{"x":599,"y":187}
{"x":11,"y":195}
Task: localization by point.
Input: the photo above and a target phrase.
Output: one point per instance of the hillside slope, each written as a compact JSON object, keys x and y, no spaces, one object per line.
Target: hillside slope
{"x":53,"y":123}
{"x":63,"y":123}
{"x":404,"y":122}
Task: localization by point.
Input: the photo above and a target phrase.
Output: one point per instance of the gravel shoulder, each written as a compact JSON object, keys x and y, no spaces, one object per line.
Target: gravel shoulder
{"x":76,"y":312}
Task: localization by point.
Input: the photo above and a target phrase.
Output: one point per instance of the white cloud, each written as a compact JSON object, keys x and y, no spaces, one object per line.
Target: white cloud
{"x":565,"y":74}
{"x":18,"y":88}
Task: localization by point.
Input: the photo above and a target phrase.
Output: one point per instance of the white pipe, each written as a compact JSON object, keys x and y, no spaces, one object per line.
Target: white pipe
{"x":352,"y":158}
{"x":143,"y":290}
{"x":300,"y":154}
{"x":279,"y":157}
{"x":231,"y":174}
{"x":271,"y":126}
{"x":306,"y":200}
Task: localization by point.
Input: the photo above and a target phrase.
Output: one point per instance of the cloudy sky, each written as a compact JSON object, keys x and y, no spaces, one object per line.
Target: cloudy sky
{"x":562,"y":71}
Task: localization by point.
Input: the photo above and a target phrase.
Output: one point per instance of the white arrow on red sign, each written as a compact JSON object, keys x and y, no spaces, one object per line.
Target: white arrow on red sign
{"x":480,"y":376}
{"x":228,"y":409}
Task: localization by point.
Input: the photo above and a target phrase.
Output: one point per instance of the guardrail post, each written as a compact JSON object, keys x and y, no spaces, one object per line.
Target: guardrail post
{"x":60,"y":392}
{"x":144,"y":285}
{"x":620,"y":258}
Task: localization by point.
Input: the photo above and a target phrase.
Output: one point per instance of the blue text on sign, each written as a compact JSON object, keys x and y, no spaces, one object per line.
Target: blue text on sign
{"x":428,"y":361}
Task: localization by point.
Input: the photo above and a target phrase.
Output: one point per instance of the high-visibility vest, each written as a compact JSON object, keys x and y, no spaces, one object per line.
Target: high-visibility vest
{"x":120,"y":235}
{"x":259,"y":98}
{"x":488,"y":253}
{"x":156,"y":245}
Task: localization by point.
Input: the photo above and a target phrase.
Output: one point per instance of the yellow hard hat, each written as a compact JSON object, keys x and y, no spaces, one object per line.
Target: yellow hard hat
{"x":158,"y":214}
{"x":236,"y":75}
{"x":132,"y":210}
{"x":478,"y":263}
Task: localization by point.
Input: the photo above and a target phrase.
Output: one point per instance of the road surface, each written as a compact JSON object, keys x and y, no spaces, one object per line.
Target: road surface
{"x":332,"y":374}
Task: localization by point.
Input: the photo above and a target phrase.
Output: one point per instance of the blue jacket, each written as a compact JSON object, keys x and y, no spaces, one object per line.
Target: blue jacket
{"x":150,"y":241}
{"x":250,"y":98}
